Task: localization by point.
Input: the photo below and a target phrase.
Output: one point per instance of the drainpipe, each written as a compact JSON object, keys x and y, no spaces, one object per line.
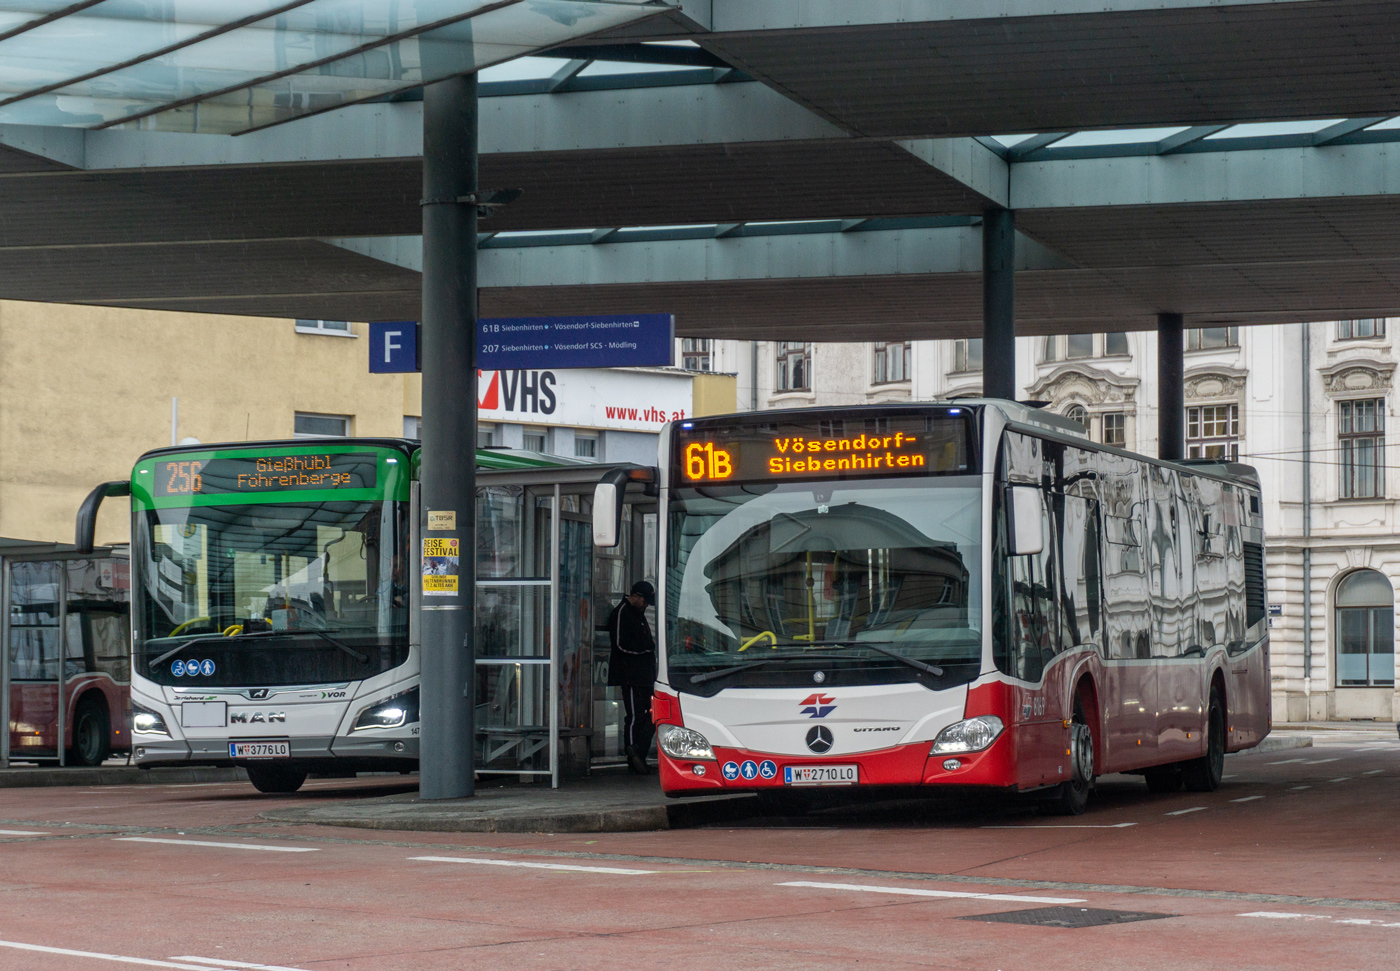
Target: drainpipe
{"x":1307,"y":518}
{"x":753,"y":375}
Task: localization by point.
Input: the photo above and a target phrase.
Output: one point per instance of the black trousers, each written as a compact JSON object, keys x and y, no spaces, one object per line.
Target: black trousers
{"x":637,"y":728}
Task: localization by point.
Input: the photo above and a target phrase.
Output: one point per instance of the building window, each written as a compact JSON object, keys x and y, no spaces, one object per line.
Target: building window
{"x":340,"y":328}
{"x":1210,"y":338}
{"x":1080,"y":347}
{"x":1361,"y":441}
{"x":1115,"y":428}
{"x":533,"y":441}
{"x":1213,"y":432}
{"x":697,"y":354}
{"x":891,"y":362}
{"x":586,"y":446}
{"x":412,"y":426}
{"x":1351,"y":330}
{"x":307,"y":425}
{"x":794,"y":366}
{"x":967,"y":355}
{"x":1077,"y":413}
{"x":1365,"y":631}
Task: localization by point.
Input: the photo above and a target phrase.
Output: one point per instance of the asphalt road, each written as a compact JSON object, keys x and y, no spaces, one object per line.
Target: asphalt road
{"x":1291,"y":864}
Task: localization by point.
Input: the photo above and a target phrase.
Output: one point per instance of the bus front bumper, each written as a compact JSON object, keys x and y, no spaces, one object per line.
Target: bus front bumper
{"x":900,"y":765}
{"x":150,"y":751}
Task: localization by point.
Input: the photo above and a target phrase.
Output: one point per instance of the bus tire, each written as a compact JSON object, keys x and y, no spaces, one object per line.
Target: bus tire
{"x":1204,"y":774}
{"x":92,"y":733}
{"x":1072,"y":798}
{"x":275,"y":778}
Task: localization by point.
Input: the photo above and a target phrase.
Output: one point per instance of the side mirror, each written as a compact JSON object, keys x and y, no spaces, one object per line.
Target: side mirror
{"x":87,"y":512}
{"x":607,"y":501}
{"x":1025,"y":513}
{"x":607,"y":511}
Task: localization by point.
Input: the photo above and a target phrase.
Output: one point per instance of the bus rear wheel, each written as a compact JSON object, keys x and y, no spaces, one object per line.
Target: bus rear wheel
{"x":1204,"y":774}
{"x":275,"y":778}
{"x":91,"y":734}
{"x":1072,"y":798}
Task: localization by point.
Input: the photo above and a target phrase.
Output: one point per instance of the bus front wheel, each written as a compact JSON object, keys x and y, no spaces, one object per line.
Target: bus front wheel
{"x":1204,"y":774}
{"x":1072,"y":797}
{"x":275,"y":778}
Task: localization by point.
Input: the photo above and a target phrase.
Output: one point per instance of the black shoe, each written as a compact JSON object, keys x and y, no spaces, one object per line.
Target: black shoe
{"x":637,"y":764}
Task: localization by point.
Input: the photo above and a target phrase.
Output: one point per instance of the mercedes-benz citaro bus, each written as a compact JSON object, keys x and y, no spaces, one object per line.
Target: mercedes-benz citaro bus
{"x":956,"y":594}
{"x":272,"y":591}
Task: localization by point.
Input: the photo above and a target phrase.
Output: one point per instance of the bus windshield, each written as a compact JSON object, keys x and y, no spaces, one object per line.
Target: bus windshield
{"x":295,"y":593}
{"x":845,"y":577}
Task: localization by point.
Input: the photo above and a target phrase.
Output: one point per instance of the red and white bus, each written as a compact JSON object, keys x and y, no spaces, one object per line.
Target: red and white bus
{"x":962,"y":594}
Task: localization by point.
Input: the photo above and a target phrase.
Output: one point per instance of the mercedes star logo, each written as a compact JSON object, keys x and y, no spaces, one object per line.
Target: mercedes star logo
{"x":818,"y":676}
{"x":819,"y":739}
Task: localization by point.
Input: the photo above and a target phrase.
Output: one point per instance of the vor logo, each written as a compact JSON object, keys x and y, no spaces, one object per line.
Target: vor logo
{"x":818,"y":705}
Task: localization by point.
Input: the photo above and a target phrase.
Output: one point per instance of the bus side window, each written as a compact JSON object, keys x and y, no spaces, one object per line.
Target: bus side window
{"x":1034,"y":620}
{"x":1080,"y":592}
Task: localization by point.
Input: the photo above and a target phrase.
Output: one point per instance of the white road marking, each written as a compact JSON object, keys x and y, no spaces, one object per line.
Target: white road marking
{"x":962,"y":895}
{"x":118,"y":958}
{"x":1320,"y":761}
{"x":1374,"y":772}
{"x":1298,"y":788}
{"x":1340,"y":779}
{"x":1065,"y":826}
{"x":1362,"y":921}
{"x":1183,"y":812}
{"x":219,"y":962}
{"x":230,"y":846}
{"x":1288,"y":761}
{"x":531,"y":866}
{"x":20,"y":832}
{"x":1247,"y":799}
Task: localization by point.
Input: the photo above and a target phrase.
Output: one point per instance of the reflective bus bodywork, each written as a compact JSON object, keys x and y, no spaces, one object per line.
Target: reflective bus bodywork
{"x":848,"y":598}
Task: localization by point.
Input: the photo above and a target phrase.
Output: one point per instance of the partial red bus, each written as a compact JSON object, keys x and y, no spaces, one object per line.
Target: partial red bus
{"x":67,"y":629}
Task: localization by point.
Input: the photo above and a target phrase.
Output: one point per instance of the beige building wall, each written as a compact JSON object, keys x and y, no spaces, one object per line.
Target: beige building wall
{"x":85,"y":390}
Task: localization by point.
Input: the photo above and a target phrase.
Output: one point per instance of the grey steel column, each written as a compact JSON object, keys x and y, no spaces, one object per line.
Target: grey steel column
{"x":1171,"y":391}
{"x":448,"y":353}
{"x":999,"y":304}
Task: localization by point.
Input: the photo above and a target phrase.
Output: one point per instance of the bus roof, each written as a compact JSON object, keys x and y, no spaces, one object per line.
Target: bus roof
{"x":488,"y":459}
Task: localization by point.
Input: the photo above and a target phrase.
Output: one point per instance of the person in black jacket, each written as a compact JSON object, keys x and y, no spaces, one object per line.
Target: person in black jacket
{"x":632,"y":667}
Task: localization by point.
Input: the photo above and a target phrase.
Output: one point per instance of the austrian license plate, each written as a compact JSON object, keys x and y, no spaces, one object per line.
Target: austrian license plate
{"x":821,"y":775}
{"x":272,"y":749}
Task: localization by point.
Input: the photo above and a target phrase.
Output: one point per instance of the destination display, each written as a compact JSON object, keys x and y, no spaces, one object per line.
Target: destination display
{"x":268,"y":473}
{"x":830,"y":449}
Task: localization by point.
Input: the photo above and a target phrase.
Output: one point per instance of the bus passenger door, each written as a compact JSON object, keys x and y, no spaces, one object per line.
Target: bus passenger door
{"x":1130,"y":681}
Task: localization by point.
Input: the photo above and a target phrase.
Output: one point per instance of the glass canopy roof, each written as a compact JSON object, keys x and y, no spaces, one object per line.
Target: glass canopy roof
{"x":230,"y":66}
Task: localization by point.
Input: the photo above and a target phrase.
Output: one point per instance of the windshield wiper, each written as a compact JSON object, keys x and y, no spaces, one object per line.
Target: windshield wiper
{"x":932,"y":669}
{"x":747,"y":665}
{"x":325,"y":635}
{"x":178,"y":648}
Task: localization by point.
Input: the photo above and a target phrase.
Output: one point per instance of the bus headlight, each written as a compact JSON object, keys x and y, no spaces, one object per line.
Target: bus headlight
{"x":395,"y":712}
{"x":146,"y":722}
{"x":683,"y":743}
{"x":972,"y":735}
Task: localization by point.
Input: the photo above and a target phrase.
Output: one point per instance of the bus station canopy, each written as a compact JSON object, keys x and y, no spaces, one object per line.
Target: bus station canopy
{"x":794,"y":168}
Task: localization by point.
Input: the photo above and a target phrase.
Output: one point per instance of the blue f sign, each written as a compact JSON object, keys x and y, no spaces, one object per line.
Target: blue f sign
{"x":393,"y":347}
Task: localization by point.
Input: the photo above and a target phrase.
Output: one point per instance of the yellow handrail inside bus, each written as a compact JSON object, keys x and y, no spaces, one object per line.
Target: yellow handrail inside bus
{"x":758,"y":637}
{"x":232,"y":629}
{"x":192,"y":620}
{"x":811,"y":634}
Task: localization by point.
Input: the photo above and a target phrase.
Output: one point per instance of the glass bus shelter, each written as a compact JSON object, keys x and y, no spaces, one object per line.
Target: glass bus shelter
{"x":543,"y":705}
